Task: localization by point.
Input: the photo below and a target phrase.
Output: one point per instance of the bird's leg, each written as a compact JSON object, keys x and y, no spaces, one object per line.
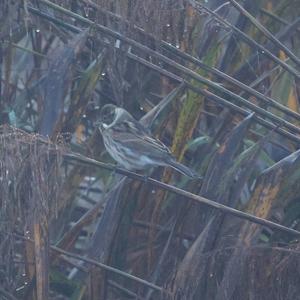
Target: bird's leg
{"x":145,"y":178}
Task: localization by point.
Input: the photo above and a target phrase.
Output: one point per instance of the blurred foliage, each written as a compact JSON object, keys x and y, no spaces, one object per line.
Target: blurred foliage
{"x":234,"y":119}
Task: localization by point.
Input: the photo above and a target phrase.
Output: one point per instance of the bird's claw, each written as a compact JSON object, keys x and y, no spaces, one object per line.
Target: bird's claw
{"x":145,"y":178}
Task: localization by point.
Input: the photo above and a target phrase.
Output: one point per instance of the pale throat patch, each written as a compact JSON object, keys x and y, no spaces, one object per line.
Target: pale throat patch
{"x":118,"y":113}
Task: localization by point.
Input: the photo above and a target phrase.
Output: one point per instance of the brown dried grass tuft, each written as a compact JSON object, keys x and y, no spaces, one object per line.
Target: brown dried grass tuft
{"x":30,"y":183}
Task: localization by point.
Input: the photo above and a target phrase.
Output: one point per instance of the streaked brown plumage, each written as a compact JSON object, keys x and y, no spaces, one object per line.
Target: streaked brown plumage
{"x":132,"y":145}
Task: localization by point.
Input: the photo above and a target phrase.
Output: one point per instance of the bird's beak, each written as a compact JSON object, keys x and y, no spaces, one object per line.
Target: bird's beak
{"x":101,"y":126}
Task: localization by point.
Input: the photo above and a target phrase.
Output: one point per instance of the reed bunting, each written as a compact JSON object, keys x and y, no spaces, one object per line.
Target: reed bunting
{"x":132,"y":145}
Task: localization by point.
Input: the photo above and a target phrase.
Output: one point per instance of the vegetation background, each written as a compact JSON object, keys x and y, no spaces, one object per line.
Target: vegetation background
{"x":218,"y":83}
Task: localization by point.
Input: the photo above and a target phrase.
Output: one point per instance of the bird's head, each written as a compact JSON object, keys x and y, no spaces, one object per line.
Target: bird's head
{"x":108,"y":115}
{"x":111,"y":115}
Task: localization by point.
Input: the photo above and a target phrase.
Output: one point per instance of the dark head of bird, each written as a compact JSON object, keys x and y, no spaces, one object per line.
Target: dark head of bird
{"x":107,"y":114}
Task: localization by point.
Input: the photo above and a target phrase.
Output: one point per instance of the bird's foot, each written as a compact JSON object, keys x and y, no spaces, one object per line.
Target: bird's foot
{"x":145,"y":178}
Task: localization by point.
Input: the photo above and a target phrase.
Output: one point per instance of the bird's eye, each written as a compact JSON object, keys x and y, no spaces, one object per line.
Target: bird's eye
{"x":108,"y":114}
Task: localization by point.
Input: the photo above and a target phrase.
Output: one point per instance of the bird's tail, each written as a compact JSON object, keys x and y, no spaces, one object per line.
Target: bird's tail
{"x":183,"y":169}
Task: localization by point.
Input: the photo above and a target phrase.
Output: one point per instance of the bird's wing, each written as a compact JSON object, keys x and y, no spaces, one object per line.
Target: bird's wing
{"x":136,"y":134}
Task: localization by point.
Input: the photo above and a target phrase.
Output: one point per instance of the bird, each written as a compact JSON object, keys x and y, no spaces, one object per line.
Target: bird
{"x":132,"y":145}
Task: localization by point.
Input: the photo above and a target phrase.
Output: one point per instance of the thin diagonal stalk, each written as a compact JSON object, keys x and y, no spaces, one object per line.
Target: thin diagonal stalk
{"x":265,"y":99}
{"x":188,"y":72}
{"x":223,"y":208}
{"x":262,"y":77}
{"x":162,"y":71}
{"x":199,"y":63}
{"x":71,"y":235}
{"x":266,"y":32}
{"x":56,"y":21}
{"x":160,"y":228}
{"x":168,"y":74}
{"x":277,"y":18}
{"x":124,"y":290}
{"x":282,"y":35}
{"x":7,"y":295}
{"x":246,"y":38}
{"x":246,"y":89}
{"x":217,"y":99}
{"x":100,"y":265}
